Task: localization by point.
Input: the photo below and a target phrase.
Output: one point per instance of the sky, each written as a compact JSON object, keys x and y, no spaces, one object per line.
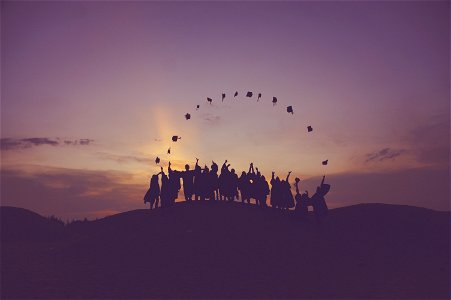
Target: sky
{"x":92,"y":92}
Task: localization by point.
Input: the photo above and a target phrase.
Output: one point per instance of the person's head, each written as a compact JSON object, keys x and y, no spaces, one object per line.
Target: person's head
{"x":154,"y":179}
{"x":187,"y":167}
{"x":277,"y":179}
{"x":243,"y":173}
{"x":206,"y":170}
{"x":263,"y":178}
{"x":233,"y":171}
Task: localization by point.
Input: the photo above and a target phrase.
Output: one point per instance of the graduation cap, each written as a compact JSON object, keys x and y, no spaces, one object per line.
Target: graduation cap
{"x":290,"y":109}
{"x":209,"y":100}
{"x":169,"y":150}
{"x":223,"y":96}
{"x":187,"y":116}
{"x":236,"y":94}
{"x":325,"y":162}
{"x":197,"y":106}
{"x":175,"y":138}
{"x":249,"y":94}
{"x":274,"y":100}
{"x":259,"y":96}
{"x":309,"y":128}
{"x":157,"y":160}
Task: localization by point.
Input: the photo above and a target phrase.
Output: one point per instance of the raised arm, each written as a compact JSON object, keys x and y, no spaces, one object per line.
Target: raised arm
{"x":322,"y":181}
{"x":288,"y":176}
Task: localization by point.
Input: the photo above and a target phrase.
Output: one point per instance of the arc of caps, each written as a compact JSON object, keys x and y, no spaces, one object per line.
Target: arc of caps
{"x":175,"y":138}
{"x":157,"y":160}
{"x":236,"y":94}
{"x":223,"y":96}
{"x":325,"y":162}
{"x":197,"y":106}
{"x":259,"y":96}
{"x":209,"y":100}
{"x":169,"y":150}
{"x":290,"y":109}
{"x":274,"y":100}
{"x":187,"y":116}
{"x":309,"y":128}
{"x":249,"y":94}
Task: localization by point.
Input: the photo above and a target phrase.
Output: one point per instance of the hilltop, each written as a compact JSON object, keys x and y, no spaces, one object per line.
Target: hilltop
{"x":228,"y":250}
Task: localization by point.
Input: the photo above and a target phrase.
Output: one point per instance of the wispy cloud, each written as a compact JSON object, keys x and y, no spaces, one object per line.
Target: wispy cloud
{"x":211,"y":119}
{"x":386,"y":153}
{"x":125,"y":158}
{"x":25,"y":143}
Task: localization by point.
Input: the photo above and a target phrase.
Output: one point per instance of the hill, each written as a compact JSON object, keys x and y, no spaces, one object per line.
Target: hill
{"x":230,"y":250}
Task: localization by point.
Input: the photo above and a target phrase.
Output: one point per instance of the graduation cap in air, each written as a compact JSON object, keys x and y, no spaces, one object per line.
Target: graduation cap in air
{"x":197,"y":106}
{"x":169,"y":150}
{"x":249,"y":94}
{"x":223,"y":96}
{"x":175,"y":138}
{"x":157,"y":160}
{"x":290,"y":109}
{"x":309,"y":128}
{"x":259,"y":96}
{"x":187,"y":116}
{"x":209,"y":100}
{"x":236,"y":94}
{"x":274,"y":100}
{"x":325,"y":162}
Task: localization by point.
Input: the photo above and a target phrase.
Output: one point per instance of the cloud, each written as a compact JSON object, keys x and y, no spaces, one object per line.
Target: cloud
{"x":430,"y":140}
{"x":386,"y":153}
{"x":211,"y":119}
{"x":25,"y":143}
{"x":71,"y":193}
{"x":126,"y":158}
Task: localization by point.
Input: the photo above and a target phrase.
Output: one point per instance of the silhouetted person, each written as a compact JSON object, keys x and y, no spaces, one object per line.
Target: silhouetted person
{"x":197,"y":180}
{"x":301,"y":207}
{"x":275,"y":191}
{"x":213,"y":182}
{"x":165,"y":194}
{"x":287,"y":196}
{"x":188,"y":182}
{"x":153,"y":193}
{"x":318,"y":200}
{"x":174,"y":183}
{"x":243,"y":185}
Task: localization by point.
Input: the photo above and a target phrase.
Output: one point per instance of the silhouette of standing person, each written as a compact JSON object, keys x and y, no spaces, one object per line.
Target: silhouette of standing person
{"x":153,"y":193}
{"x":188,"y":182}
{"x":318,"y":200}
{"x":165,"y":190}
{"x":197,"y":180}
{"x":301,"y":207}
{"x":174,"y":184}
{"x":275,"y":191}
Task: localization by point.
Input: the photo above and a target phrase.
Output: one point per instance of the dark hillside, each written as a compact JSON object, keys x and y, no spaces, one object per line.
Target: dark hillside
{"x":230,"y":250}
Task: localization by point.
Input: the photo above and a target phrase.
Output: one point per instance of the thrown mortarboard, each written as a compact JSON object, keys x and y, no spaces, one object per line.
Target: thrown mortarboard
{"x":223,"y":96}
{"x":274,"y":100}
{"x":187,"y":116}
{"x":209,"y":100}
{"x":325,"y":162}
{"x":197,"y":107}
{"x":249,"y":94}
{"x":309,"y":128}
{"x":169,"y":150}
{"x":259,"y":96}
{"x":290,"y":109}
{"x":175,"y":138}
{"x":157,"y":160}
{"x":236,"y":94}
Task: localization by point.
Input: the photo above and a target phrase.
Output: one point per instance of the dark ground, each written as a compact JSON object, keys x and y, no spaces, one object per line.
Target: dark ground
{"x":228,"y":250}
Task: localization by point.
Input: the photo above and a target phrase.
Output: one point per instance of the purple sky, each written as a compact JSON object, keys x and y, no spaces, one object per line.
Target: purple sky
{"x":104,"y":85}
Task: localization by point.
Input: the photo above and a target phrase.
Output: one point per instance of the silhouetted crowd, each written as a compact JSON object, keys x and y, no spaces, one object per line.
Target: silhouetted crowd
{"x":201,"y":184}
